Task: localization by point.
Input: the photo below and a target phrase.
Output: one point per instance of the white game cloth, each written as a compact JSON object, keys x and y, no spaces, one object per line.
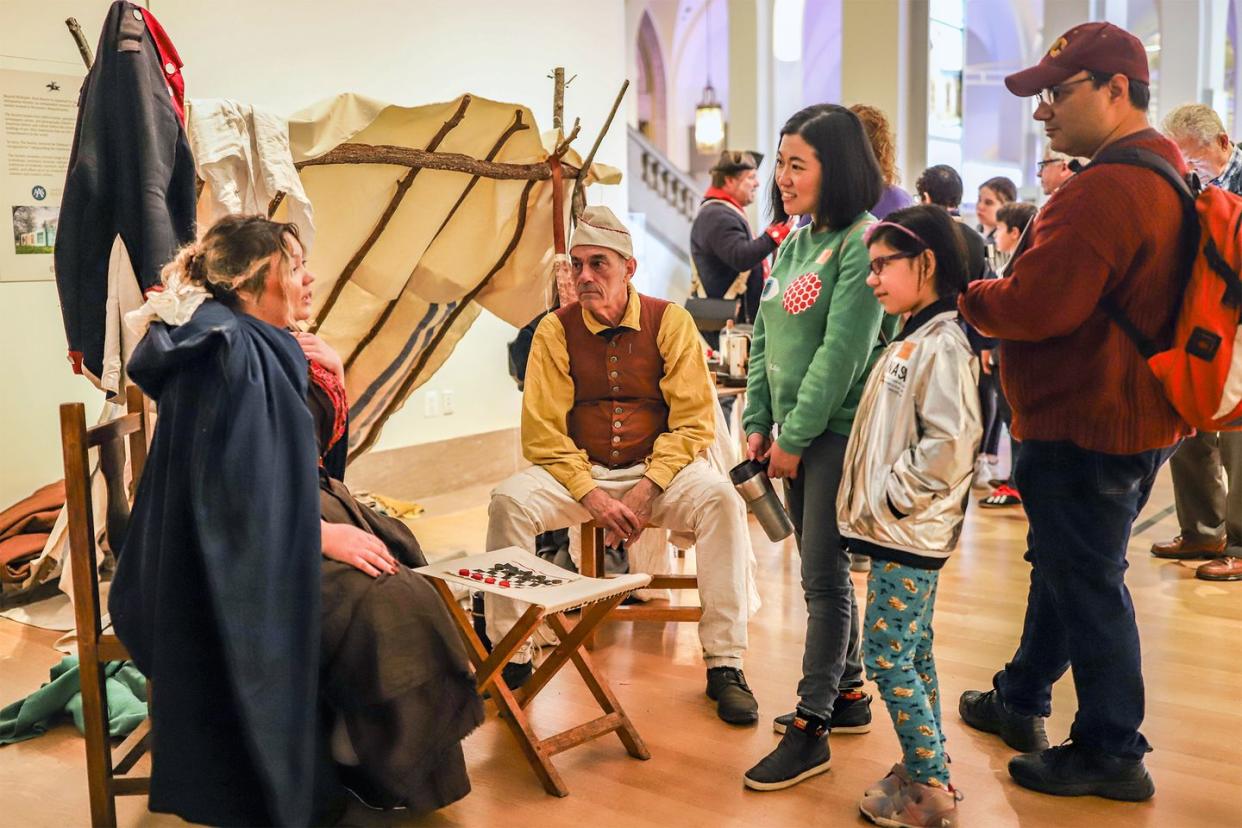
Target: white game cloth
{"x":574,"y":590}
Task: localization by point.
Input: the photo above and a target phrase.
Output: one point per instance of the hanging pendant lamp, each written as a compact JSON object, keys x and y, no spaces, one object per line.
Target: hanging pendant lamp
{"x":709,"y":125}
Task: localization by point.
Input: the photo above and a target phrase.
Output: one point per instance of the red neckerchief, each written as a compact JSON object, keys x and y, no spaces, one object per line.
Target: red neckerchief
{"x":331,"y":385}
{"x":717,"y":193}
{"x":170,"y":63}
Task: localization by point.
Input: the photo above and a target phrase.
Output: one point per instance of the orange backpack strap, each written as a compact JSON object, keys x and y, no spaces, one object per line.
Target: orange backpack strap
{"x":1188,"y":193}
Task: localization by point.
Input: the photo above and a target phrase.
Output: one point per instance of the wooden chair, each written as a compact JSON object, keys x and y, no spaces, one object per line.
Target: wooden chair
{"x":592,"y":566}
{"x":108,"y":771}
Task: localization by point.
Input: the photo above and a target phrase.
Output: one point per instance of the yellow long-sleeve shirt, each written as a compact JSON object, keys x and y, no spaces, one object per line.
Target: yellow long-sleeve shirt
{"x":549,"y":396}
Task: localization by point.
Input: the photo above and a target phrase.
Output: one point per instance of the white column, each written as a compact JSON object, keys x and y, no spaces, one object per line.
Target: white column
{"x":1062,"y":15}
{"x":884,"y":52}
{"x":750,"y":60}
{"x":1192,"y":54}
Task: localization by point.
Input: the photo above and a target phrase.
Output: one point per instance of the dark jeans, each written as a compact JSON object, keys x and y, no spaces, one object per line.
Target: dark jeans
{"x":832,"y":660}
{"x":1004,"y":415}
{"x":989,"y":391}
{"x":1081,"y":506}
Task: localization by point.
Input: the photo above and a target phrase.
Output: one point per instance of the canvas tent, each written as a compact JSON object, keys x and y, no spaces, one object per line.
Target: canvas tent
{"x":425,"y":215}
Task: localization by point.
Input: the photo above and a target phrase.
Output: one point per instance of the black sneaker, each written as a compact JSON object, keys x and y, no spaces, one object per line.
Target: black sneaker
{"x":735,"y":703}
{"x":802,"y":753}
{"x":986,"y":712}
{"x":850,"y":714}
{"x":1071,"y":770}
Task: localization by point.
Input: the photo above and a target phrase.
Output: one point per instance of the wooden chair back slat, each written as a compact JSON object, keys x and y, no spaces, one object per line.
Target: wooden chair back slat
{"x":104,"y":781}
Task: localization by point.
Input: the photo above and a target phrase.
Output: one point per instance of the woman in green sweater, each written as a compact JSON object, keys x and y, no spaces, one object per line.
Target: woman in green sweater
{"x":816,"y":337}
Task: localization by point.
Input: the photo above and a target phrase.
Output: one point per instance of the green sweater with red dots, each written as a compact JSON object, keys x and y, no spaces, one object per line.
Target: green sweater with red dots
{"x":816,"y":337}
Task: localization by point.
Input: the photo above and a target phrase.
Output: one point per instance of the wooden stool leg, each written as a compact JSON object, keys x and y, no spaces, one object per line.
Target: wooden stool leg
{"x":627,"y":733}
{"x":510,"y":711}
{"x":591,"y":561}
{"x":590,"y":618}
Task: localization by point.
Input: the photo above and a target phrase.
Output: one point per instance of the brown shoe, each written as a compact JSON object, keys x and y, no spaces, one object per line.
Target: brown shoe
{"x":1181,"y":549}
{"x":1221,"y":569}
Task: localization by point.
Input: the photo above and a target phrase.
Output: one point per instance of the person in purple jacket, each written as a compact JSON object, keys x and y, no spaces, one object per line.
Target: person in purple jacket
{"x":884,"y":145}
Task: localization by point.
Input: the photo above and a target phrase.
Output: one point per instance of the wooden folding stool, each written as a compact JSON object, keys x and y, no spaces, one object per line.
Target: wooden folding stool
{"x":596,"y":597}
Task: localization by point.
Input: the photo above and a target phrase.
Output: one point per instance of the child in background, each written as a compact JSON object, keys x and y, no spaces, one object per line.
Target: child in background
{"x":903,"y":497}
{"x":1012,"y":222}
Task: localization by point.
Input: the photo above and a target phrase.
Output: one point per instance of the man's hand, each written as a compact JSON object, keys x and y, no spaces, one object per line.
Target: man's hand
{"x":618,"y":519}
{"x":781,"y":463}
{"x":985,"y":361}
{"x":639,"y":500}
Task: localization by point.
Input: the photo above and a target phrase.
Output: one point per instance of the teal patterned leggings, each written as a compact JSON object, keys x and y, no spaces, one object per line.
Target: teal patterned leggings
{"x":897,"y":650}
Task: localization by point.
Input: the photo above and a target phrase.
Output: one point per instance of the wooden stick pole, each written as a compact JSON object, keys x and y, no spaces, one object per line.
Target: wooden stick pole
{"x":84,"y":48}
{"x":586,"y":163}
{"x":558,"y":98}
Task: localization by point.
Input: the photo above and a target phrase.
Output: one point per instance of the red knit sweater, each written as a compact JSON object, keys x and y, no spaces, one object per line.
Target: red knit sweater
{"x":1067,"y":370}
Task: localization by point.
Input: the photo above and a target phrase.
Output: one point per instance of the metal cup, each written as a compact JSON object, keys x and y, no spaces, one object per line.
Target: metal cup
{"x":750,"y":478}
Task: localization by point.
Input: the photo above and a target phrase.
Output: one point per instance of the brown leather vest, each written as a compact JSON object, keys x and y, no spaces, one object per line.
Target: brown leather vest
{"x":619,"y":410}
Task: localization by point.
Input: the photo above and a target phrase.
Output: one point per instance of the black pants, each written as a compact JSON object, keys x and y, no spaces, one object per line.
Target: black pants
{"x":1004,"y":415}
{"x":1081,"y":506}
{"x":989,"y":391}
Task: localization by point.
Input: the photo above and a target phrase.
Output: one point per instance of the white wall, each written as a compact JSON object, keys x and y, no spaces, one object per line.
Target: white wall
{"x":284,"y":55}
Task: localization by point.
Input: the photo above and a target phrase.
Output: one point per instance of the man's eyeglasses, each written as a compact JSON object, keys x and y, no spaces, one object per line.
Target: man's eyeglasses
{"x":1039,"y":167}
{"x":1053,"y":94}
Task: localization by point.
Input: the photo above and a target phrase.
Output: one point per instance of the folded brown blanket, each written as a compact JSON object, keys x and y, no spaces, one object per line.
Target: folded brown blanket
{"x":49,"y":498}
{"x":17,"y":552}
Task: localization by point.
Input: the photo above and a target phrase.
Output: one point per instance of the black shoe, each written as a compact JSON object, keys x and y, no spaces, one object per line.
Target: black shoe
{"x":366,"y":790}
{"x":850,"y":714}
{"x":802,"y":753}
{"x":735,"y":703}
{"x":986,"y":712}
{"x":515,"y":675}
{"x":1071,"y":770}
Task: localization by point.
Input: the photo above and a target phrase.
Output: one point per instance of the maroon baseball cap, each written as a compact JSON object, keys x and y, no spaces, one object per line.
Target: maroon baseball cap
{"x":1090,"y":47}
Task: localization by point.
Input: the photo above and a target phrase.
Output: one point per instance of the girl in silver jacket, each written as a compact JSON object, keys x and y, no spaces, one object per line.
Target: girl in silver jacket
{"x":903,"y":497}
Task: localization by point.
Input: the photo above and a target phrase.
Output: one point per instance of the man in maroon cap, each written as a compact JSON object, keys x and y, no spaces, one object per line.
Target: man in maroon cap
{"x":1094,"y":423}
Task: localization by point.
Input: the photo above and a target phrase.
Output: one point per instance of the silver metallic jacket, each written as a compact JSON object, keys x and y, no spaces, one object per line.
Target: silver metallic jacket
{"x":913,"y":445}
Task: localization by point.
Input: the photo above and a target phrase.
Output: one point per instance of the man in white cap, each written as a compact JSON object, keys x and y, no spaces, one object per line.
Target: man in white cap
{"x":617,"y":416}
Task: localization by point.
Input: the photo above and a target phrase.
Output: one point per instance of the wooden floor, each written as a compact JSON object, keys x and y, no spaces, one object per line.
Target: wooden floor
{"x":1192,"y":639}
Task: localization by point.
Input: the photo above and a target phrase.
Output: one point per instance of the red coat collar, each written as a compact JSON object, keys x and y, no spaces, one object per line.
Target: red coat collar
{"x":721,"y":195}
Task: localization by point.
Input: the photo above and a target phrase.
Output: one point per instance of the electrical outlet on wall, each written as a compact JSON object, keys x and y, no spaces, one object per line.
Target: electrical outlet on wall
{"x":446,"y":400}
{"x":432,"y":405}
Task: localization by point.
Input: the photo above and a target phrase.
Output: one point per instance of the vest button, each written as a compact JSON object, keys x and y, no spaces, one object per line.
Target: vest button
{"x":616,"y":453}
{"x":616,"y":410}
{"x":617,"y":425}
{"x":616,"y":389}
{"x":612,"y":359}
{"x":616,"y":438}
{"x":612,"y":374}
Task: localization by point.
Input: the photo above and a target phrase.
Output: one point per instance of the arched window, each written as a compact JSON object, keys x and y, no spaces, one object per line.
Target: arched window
{"x":652,"y":95}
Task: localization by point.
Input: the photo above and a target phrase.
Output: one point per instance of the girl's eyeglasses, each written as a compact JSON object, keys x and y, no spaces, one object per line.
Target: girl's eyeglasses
{"x":880,"y":262}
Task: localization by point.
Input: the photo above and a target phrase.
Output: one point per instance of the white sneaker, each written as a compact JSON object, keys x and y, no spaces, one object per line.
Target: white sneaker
{"x":985,"y":472}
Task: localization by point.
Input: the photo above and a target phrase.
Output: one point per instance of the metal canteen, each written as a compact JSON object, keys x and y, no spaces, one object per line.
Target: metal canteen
{"x":750,"y":478}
